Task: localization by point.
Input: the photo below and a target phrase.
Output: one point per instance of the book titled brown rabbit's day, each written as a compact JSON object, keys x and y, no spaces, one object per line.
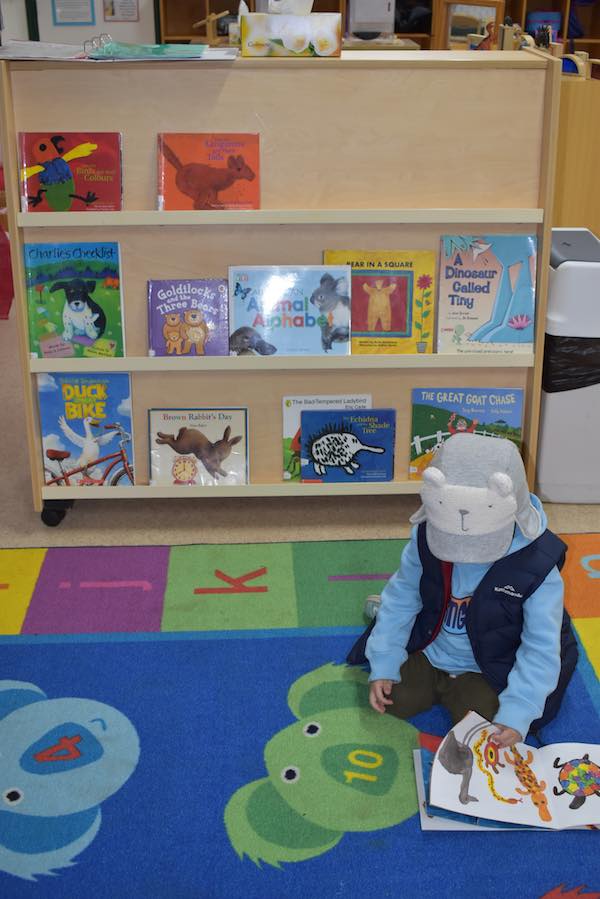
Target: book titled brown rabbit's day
{"x":208,"y":171}
{"x":293,"y":310}
{"x":198,"y":447}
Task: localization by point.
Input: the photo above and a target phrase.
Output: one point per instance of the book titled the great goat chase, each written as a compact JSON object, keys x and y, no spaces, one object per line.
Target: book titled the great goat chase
{"x":74,"y":299}
{"x":487,"y":293}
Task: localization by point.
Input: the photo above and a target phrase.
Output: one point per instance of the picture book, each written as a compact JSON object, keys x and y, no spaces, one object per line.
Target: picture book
{"x":292,"y":407}
{"x":439,"y":412}
{"x":74,"y":299}
{"x":393,"y":295}
{"x":341,"y":446}
{"x":487,"y":294}
{"x":198,"y":447}
{"x":290,"y":310}
{"x":554,"y":787}
{"x":208,"y":171}
{"x":434,"y":818}
{"x":86,"y":429}
{"x":188,"y":317}
{"x":70,"y":171}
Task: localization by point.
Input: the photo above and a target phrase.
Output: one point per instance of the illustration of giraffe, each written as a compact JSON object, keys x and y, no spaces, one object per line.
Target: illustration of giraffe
{"x":529,"y":781}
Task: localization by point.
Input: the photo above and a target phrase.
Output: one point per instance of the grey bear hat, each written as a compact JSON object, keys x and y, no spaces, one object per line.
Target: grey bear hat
{"x":474,"y":491}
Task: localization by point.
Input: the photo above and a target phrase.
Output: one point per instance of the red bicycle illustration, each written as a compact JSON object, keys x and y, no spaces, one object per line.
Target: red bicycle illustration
{"x":118,"y":471}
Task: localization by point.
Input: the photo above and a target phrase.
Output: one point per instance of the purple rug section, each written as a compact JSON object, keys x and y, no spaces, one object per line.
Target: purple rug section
{"x":100,"y":589}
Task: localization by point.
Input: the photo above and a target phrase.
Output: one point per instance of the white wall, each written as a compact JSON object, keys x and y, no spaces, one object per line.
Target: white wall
{"x":141,"y":32}
{"x":15,"y":20}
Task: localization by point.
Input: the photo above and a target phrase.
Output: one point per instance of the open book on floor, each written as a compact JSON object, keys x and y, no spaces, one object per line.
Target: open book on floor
{"x":556,"y":787}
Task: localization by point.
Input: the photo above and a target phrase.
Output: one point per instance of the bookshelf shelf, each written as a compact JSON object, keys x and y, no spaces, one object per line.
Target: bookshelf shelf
{"x":267,"y":364}
{"x":254,"y":217}
{"x":348,"y":189}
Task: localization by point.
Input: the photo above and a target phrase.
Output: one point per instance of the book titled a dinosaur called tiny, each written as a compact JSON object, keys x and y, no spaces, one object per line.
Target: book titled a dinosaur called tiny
{"x":208,"y":171}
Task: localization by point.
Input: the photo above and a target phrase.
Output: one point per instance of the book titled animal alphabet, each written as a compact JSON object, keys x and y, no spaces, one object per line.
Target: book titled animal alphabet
{"x":557,"y":786}
{"x":208,"y":171}
{"x":198,"y":447}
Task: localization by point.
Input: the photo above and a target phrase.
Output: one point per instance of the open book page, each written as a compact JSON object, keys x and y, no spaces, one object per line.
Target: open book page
{"x":473,"y":776}
{"x":572,"y":772}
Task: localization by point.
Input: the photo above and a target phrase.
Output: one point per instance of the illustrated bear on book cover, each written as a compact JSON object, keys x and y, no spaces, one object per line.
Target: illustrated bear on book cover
{"x":188,"y":317}
{"x":70,"y":171}
{"x":208,"y":171}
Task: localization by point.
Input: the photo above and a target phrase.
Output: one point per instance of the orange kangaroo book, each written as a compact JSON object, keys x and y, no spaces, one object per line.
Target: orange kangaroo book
{"x":208,"y":171}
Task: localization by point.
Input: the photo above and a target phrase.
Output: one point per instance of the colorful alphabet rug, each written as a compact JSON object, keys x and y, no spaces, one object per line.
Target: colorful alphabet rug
{"x":179,"y":722}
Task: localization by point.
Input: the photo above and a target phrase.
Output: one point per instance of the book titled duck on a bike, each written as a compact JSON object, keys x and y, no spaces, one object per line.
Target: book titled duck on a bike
{"x":86,"y":429}
{"x":74,"y":300}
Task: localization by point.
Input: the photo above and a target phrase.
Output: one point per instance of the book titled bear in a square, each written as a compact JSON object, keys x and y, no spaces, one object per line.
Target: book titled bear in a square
{"x":70,"y":171}
{"x":343,"y":446}
{"x":188,"y":317}
{"x":208,"y":171}
{"x":198,"y":447}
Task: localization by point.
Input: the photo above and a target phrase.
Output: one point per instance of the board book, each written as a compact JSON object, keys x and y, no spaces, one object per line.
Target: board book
{"x":554,"y":787}
{"x":347,"y":446}
{"x":70,"y":171}
{"x":440,"y":412}
{"x":188,"y":317}
{"x":86,"y":429}
{"x":292,"y":406}
{"x":198,"y":447}
{"x":290,"y":310}
{"x":487,"y":293}
{"x":393,"y":295}
{"x":74,"y":299}
{"x":208,"y":171}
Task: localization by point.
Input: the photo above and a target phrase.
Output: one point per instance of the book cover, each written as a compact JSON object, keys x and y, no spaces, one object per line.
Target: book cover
{"x":208,"y":171}
{"x":290,"y":310}
{"x":292,"y":406}
{"x":198,"y":447}
{"x":74,"y":299}
{"x":70,"y":171}
{"x":439,"y":412}
{"x":554,"y":787}
{"x":188,"y":317}
{"x":487,"y":294}
{"x":86,"y":429}
{"x":344,"y":446}
{"x":393,"y":295}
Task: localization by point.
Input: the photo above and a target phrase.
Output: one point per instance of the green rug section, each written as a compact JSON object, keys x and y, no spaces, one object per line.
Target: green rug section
{"x":275,"y":585}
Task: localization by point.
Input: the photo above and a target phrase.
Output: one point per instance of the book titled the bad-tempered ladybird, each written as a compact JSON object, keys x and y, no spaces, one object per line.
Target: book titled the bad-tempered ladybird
{"x":208,"y":171}
{"x":348,"y":446}
{"x":188,"y":317}
{"x":487,"y":293}
{"x":392,"y":299}
{"x":70,"y":171}
{"x":74,"y":299}
{"x":440,"y":412}
{"x":290,"y":310}
{"x":86,"y":429}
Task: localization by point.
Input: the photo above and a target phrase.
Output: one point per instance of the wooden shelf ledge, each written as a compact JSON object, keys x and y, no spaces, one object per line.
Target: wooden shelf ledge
{"x":266,"y":364}
{"x":280,"y":489}
{"x":153,"y":218}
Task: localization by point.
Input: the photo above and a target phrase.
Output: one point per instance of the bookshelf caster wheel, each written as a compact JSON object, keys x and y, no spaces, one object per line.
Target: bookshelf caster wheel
{"x":54,"y":511}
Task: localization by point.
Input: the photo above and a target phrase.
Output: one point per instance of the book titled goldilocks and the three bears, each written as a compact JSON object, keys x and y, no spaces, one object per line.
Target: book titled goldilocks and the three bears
{"x":358,"y":301}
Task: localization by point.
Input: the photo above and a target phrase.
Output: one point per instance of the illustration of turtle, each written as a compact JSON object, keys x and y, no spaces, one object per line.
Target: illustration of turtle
{"x":579,"y":778}
{"x":337,"y":448}
{"x":340,"y":767}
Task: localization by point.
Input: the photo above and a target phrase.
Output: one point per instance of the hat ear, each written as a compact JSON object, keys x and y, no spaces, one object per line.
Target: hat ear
{"x":434,"y":477}
{"x":501,"y":483}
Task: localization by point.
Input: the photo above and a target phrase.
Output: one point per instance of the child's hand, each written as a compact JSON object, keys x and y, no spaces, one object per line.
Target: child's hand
{"x":506,"y":736}
{"x":379,"y":692}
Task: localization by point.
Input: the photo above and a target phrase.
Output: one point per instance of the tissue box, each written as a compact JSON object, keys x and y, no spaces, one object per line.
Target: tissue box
{"x":265,"y":34}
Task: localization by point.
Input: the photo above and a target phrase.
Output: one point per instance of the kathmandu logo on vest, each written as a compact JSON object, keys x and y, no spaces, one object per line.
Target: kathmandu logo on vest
{"x":509,"y":590}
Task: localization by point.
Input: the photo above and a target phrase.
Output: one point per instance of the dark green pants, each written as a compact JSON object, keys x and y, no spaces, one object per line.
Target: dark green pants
{"x":423,"y":686}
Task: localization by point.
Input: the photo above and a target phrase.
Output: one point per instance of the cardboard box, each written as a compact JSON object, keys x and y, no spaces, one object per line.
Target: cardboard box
{"x":265,"y":34}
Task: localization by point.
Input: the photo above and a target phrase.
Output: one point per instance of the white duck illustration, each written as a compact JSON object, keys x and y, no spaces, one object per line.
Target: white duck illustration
{"x":89,"y":443}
